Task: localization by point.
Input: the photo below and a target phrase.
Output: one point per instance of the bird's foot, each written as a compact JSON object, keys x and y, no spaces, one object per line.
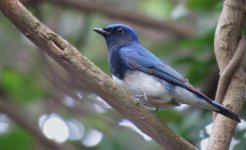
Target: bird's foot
{"x":136,"y":100}
{"x":145,"y":97}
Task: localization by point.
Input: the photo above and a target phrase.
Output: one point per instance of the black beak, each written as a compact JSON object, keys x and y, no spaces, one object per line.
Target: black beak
{"x":101,"y":31}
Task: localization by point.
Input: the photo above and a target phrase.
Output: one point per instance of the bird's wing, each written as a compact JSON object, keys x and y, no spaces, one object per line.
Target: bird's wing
{"x":144,"y":61}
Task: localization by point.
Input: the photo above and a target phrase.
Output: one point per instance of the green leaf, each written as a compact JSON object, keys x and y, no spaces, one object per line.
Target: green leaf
{"x":198,"y":71}
{"x":169,"y":115}
{"x":205,"y":40}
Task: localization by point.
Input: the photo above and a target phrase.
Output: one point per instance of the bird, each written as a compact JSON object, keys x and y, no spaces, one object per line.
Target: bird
{"x":147,"y":78}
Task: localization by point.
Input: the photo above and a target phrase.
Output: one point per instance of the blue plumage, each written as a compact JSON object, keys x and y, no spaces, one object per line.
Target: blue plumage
{"x":146,"y":77}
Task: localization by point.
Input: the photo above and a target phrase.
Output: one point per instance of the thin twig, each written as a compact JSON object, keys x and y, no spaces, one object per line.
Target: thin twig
{"x":230,"y":69}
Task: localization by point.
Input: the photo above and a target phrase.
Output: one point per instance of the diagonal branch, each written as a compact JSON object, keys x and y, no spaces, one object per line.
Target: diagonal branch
{"x":70,"y":58}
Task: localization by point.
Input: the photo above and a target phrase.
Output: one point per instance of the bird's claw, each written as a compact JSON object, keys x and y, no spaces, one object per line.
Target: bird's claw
{"x":136,"y":100}
{"x":145,"y":97}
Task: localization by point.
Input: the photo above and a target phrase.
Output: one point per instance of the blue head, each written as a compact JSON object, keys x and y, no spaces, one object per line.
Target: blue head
{"x":117,"y":35}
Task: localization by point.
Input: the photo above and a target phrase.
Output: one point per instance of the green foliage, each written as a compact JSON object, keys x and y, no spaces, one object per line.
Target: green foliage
{"x":16,"y":139}
{"x":158,"y":9}
{"x":20,"y":87}
{"x":205,"y":5}
{"x":123,"y":138}
{"x":109,"y":143}
{"x":185,"y":122}
{"x":241,"y":145}
{"x":199,"y":58}
{"x":197,"y":73}
{"x":170,"y":115}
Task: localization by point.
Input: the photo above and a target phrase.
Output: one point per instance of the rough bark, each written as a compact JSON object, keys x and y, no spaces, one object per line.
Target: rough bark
{"x":228,"y":72}
{"x":70,"y":58}
{"x":227,"y":37}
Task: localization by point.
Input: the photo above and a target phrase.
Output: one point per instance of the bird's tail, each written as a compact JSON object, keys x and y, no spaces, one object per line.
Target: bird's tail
{"x":226,"y":112}
{"x":220,"y":108}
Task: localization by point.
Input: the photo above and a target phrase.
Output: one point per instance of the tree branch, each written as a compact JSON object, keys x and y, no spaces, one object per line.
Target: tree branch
{"x":230,"y":69}
{"x":107,"y":9}
{"x":133,"y":17}
{"x":21,"y":119}
{"x":69,"y":57}
{"x":227,"y":36}
{"x":182,"y":30}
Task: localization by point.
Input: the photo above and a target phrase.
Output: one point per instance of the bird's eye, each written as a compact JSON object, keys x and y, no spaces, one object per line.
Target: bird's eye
{"x":119,"y":30}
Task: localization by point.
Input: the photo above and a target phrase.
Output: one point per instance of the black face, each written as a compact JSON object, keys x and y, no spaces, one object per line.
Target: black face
{"x":117,"y":35}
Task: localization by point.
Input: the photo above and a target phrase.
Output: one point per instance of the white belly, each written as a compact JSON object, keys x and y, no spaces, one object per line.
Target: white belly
{"x":158,"y":92}
{"x":141,"y":84}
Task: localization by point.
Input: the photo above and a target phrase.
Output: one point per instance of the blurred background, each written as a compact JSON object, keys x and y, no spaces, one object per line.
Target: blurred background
{"x":36,"y":94}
